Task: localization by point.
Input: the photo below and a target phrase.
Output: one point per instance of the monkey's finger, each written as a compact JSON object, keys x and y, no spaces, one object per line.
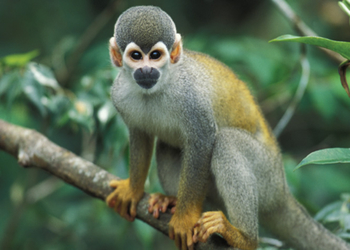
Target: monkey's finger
{"x":208,"y":219}
{"x":155,"y":213}
{"x":173,"y":202}
{"x":128,"y":217}
{"x":165,"y":205}
{"x":113,"y":183}
{"x":110,"y":197}
{"x":173,"y":210}
{"x":201,"y":237}
{"x":210,"y":215}
{"x":213,"y":223}
{"x":195,"y":232}
{"x":117,"y":205}
{"x":197,"y":227}
{"x":210,"y":222}
{"x":207,"y":215}
{"x":177,"y":241}
{"x":151,"y":207}
{"x":189,"y":240}
{"x":133,"y":208}
{"x":195,"y":237}
{"x":154,"y":210}
{"x":124,"y":211}
{"x":183,"y":241}
{"x":153,"y":199}
{"x":110,"y":202}
{"x":201,"y":232}
{"x":209,"y":232}
{"x":171,"y":233}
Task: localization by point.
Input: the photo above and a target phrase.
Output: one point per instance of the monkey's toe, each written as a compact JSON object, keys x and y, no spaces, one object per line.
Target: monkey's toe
{"x":160,"y":203}
{"x":209,"y":223}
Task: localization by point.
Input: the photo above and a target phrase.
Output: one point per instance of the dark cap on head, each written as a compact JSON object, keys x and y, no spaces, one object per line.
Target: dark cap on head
{"x":145,"y":26}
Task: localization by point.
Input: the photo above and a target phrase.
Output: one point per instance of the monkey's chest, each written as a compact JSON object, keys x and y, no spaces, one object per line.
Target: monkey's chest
{"x":156,"y":116}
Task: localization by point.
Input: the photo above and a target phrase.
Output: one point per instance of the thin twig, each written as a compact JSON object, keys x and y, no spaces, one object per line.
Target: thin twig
{"x":302,"y":28}
{"x":85,"y":40}
{"x":304,"y":79}
{"x":342,"y":72}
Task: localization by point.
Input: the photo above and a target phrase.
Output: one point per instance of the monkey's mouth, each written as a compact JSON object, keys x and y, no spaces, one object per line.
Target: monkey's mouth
{"x":147,"y":83}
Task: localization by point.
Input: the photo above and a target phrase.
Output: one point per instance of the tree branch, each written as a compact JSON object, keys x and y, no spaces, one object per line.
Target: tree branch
{"x":32,"y":149}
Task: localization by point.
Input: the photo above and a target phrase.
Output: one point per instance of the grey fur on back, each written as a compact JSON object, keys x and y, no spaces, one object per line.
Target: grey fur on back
{"x":145,"y":26}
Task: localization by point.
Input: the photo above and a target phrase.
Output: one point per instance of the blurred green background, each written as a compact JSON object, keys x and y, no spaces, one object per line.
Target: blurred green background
{"x":55,"y":77}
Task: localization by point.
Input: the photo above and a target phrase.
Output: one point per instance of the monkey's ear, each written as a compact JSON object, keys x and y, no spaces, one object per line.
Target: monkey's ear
{"x":114,"y":53}
{"x":176,"y":52}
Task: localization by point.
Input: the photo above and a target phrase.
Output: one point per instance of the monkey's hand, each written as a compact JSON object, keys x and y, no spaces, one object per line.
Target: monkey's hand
{"x":181,"y":229}
{"x":123,"y":198}
{"x":160,"y":203}
{"x":216,"y":222}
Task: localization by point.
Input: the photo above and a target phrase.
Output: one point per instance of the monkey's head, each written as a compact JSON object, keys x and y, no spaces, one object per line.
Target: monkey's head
{"x":145,"y":43}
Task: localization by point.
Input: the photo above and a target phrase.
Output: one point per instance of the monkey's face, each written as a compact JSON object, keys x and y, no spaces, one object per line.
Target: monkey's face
{"x":146,"y":68}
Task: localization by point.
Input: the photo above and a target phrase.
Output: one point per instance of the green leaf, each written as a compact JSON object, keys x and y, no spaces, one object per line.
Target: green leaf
{"x":106,"y":113}
{"x":327,"y":156}
{"x":345,"y":7}
{"x":34,"y":91}
{"x":19,"y":59}
{"x":327,"y":210}
{"x":8,"y":80}
{"x":343,"y":48}
{"x":43,"y":75}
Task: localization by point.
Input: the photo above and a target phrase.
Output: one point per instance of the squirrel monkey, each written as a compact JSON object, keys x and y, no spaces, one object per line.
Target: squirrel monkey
{"x":213,"y":146}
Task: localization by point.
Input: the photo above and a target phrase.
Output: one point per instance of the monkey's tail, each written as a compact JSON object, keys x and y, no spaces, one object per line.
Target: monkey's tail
{"x":295,"y":226}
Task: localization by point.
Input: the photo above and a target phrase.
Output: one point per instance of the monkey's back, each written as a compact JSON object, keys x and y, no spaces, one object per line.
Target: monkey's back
{"x":232,"y":102}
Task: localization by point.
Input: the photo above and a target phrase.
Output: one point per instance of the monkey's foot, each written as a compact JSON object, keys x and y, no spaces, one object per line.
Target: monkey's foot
{"x":124,"y":199}
{"x":181,"y":227}
{"x":216,"y":222}
{"x":160,"y":203}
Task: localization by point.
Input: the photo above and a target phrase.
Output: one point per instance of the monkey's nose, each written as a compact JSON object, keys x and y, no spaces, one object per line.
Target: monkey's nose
{"x":146,"y":77}
{"x":146,"y":70}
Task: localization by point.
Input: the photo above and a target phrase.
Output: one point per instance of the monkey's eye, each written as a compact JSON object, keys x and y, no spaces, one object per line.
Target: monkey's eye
{"x":136,"y":55}
{"x":155,"y":55}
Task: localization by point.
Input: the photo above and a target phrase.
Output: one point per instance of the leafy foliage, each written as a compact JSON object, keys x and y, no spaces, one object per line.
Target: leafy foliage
{"x":337,"y":216}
